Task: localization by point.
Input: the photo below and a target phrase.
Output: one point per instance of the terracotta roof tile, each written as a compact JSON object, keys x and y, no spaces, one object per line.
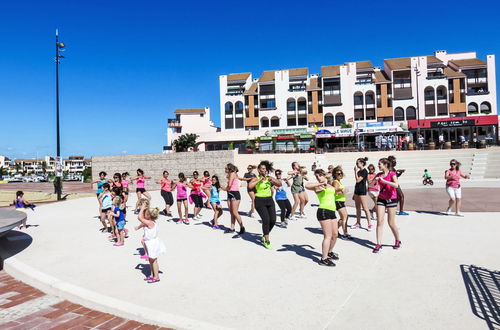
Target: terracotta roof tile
{"x":468,"y":62}
{"x":238,"y":76}
{"x":252,"y":90}
{"x":202,"y":110}
{"x":450,"y":73}
{"x":381,"y":77}
{"x":330,"y":71}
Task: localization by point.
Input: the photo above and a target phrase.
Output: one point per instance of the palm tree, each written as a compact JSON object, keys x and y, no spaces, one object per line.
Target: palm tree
{"x":18,"y":167}
{"x":184,"y":142}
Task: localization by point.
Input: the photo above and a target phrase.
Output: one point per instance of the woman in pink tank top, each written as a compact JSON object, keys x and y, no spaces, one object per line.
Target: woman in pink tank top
{"x":233,"y":198}
{"x":140,"y":188}
{"x":453,"y":187}
{"x":166,"y":193}
{"x":181,"y":187}
{"x":387,"y":200}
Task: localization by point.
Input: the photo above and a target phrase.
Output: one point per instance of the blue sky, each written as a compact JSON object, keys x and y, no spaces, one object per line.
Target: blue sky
{"x":129,"y":64}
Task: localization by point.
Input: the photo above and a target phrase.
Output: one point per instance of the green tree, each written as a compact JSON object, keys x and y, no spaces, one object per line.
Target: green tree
{"x":44,"y":167}
{"x":345,"y":125}
{"x":3,"y":171}
{"x":87,"y":174}
{"x":231,"y":146}
{"x":184,"y":142}
{"x":18,"y":167}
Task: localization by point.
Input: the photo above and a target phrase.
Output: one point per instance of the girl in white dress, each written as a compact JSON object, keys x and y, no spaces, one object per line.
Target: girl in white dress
{"x":154,"y":245}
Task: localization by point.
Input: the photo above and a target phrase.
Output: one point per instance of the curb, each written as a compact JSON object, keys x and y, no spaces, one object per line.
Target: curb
{"x":97,"y":301}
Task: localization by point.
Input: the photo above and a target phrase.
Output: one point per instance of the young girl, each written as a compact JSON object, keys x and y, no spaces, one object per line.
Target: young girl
{"x":326,"y":216}
{"x":373,"y":188}
{"x":251,"y":192}
{"x":453,"y":187}
{"x":125,"y":184}
{"x":117,"y":183}
{"x":100,"y":182}
{"x":387,"y":201}
{"x":214,"y":189}
{"x":140,"y":189}
{"x":106,"y":205}
{"x":153,"y":244}
{"x":207,"y":182}
{"x":360,"y":191}
{"x":21,"y":204}
{"x":282,"y":198}
{"x":117,"y":213}
{"x":181,"y":186}
{"x":264,"y":203}
{"x":340,"y":192}
{"x":298,"y":191}
{"x":166,"y":193}
{"x":233,"y":198}
{"x":195,"y":195}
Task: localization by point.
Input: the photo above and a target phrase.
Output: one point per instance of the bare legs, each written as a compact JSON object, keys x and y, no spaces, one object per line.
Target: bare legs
{"x":139,"y":197}
{"x":343,"y":219}
{"x":217,"y":213}
{"x":296,"y":202}
{"x":303,"y":201}
{"x":361,"y":202}
{"x":252,"y":197}
{"x":457,"y":202}
{"x":330,"y":233}
{"x":235,"y":216}
{"x":153,"y":264}
{"x":179,"y":209}
{"x":391,"y":217}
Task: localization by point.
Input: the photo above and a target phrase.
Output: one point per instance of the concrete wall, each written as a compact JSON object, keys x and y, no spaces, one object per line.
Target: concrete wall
{"x":154,"y":164}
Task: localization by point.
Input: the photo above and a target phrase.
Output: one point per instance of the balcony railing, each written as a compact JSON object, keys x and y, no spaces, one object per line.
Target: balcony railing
{"x":174,"y":124}
{"x":479,"y":92}
{"x":436,"y":76}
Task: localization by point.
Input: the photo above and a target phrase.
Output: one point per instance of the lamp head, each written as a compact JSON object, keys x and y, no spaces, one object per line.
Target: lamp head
{"x":61,"y":45}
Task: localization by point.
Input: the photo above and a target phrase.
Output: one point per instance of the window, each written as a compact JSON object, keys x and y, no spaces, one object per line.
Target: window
{"x":429,"y":94}
{"x":275,"y":122}
{"x":411,"y":113}
{"x":399,"y":114}
{"x":472,"y":108}
{"x":359,"y":114}
{"x":329,"y":120}
{"x":339,"y":119}
{"x":267,"y":103}
{"x":370,"y":99}
{"x":485,"y":107}
{"x":291,"y":111}
{"x":301,"y":104}
{"x":264,"y":122}
{"x":229,"y":115}
{"x":441,"y":93}
{"x":358,"y":99}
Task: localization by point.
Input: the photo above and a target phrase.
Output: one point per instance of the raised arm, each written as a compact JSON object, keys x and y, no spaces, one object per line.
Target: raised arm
{"x":317,"y":186}
{"x":337,"y":187}
{"x":253,"y":183}
{"x":275,"y":181}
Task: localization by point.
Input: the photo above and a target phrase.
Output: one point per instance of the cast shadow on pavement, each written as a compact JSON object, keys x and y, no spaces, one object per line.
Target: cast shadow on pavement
{"x":430,"y":212}
{"x":302,"y":251}
{"x":146,"y":269}
{"x":13,"y":243}
{"x":250,"y":237}
{"x":483,"y":289}
{"x":314,"y":230}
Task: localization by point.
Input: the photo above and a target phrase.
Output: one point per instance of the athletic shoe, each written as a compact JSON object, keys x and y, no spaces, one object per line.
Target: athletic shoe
{"x":118,"y":244}
{"x":186,"y":221}
{"x":229,"y":231}
{"x":458,"y":214}
{"x":303,"y":215}
{"x":292,"y":218}
{"x":349,"y":237}
{"x":355,"y":226}
{"x":403,"y":213}
{"x":285,"y":224}
{"x":448,"y":212}
{"x":396,"y":245}
{"x":377,"y":248}
{"x":327,"y":262}
{"x":332,"y":255}
{"x":145,"y":257}
{"x":136,"y":212}
{"x":370,"y":227}
{"x":215,"y":227}
{"x":162,"y":213}
{"x":242,"y":230}
{"x":267,"y":244}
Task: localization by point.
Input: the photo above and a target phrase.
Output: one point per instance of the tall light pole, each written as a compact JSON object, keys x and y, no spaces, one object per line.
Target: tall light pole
{"x":59,"y":47}
{"x":417,"y":74}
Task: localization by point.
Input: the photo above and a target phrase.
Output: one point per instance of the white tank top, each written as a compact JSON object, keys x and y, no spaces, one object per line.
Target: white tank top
{"x":150,"y":234}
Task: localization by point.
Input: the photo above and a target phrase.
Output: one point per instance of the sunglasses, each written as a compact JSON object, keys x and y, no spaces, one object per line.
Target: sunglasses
{"x":115,"y":177}
{"x":453,"y":164}
{"x":339,"y":173}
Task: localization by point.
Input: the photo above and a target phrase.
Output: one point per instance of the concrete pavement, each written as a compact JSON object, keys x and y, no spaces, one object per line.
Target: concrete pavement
{"x":214,"y":280}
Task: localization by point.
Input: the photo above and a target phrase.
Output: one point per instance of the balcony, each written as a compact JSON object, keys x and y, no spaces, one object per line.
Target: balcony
{"x":172,"y":123}
{"x":472,"y":92}
{"x":436,"y":76}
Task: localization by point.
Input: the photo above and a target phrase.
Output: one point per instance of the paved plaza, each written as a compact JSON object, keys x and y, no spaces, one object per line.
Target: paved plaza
{"x":443,"y":278}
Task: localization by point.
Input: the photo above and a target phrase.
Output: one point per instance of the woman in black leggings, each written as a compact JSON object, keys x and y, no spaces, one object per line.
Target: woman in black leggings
{"x":264,"y":203}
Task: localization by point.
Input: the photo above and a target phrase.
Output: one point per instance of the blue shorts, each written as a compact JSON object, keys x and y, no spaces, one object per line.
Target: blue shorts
{"x":120,"y":225}
{"x":217,"y":202}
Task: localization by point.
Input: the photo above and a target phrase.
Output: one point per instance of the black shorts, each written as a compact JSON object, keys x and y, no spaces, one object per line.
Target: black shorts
{"x":360,"y":193}
{"x":97,"y":194}
{"x":249,"y":190}
{"x":233,"y":196}
{"x":141,"y":190}
{"x":387,"y":202}
{"x":197,"y":200}
{"x":339,"y":205}
{"x":167,"y":197}
{"x":125,"y":192}
{"x":324,"y":214}
{"x":181,"y":199}
{"x":106,"y":210}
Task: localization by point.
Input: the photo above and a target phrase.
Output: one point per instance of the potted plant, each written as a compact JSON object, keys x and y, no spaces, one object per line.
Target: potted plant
{"x":249,"y":145}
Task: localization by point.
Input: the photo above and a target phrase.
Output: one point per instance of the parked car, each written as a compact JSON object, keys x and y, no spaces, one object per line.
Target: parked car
{"x":16,"y":179}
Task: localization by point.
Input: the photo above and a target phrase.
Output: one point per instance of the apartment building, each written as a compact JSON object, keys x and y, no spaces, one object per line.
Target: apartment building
{"x":76,"y":164}
{"x":4,"y":162}
{"x":73,"y":165}
{"x":445,"y":93}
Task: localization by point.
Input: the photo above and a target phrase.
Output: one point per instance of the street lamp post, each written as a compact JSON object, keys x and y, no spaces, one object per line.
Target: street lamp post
{"x":59,"y":47}
{"x":417,"y":72}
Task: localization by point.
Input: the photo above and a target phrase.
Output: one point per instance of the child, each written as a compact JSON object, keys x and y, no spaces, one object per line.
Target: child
{"x":117,"y":213}
{"x":20,"y":204}
{"x":427,"y":175}
{"x":214,"y":189}
{"x":154,"y":245}
{"x":107,"y":203}
{"x":181,"y":186}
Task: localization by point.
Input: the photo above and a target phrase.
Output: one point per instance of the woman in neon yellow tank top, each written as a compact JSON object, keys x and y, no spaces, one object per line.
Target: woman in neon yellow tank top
{"x":340,"y":191}
{"x":326,"y":216}
{"x":264,"y":203}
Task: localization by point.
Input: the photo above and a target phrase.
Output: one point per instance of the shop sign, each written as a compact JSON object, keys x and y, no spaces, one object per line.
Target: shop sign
{"x":343,"y":132}
{"x":265,"y":138}
{"x":286,"y":137}
{"x":323,"y":136}
{"x":376,"y":124}
{"x":288,"y":131}
{"x":306,"y":136}
{"x":381,"y":129}
{"x":452,"y":123}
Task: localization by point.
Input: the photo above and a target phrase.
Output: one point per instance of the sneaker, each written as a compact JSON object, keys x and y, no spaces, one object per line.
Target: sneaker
{"x":370,"y":227}
{"x":229,"y":231}
{"x":377,"y":248}
{"x":303,"y":215}
{"x":118,"y":244}
{"x":196,"y":217}
{"x":355,"y":226}
{"x":396,"y":245}
{"x":267,"y":244}
{"x":242,"y":230}
{"x":326,"y":262}
{"x":285,"y":224}
{"x":186,"y":221}
{"x":292,"y":218}
{"x":162,"y":213}
{"x":332,"y":255}
{"x":448,"y":212}
{"x":458,"y":214}
{"x":215,"y":227}
{"x":145,"y":257}
{"x":403,"y":213}
{"x":136,"y":212}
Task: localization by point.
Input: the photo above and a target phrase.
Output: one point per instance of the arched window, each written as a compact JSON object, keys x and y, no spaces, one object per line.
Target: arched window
{"x":359,"y":113}
{"x":370,"y":105}
{"x":229,"y":115}
{"x":238,"y":114}
{"x":442,"y":101}
{"x":329,"y":120}
{"x":264,"y":122}
{"x":441,"y":93}
{"x":472,"y":108}
{"x":429,"y":94}
{"x":485,"y":107}
{"x":430,"y":103}
{"x":399,"y":114}
{"x":411,"y":113}
{"x":302,"y":111}
{"x":275,"y":122}
{"x":339,"y":119}
{"x":291,"y":112}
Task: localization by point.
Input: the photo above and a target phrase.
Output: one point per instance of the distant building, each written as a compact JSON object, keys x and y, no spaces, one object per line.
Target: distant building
{"x":5,"y":162}
{"x":47,"y":165}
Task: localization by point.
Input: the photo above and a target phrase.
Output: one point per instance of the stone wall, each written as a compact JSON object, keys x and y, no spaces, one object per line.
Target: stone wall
{"x":154,"y":164}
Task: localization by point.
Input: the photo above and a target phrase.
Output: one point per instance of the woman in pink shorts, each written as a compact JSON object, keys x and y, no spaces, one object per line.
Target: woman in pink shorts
{"x":453,"y":187}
